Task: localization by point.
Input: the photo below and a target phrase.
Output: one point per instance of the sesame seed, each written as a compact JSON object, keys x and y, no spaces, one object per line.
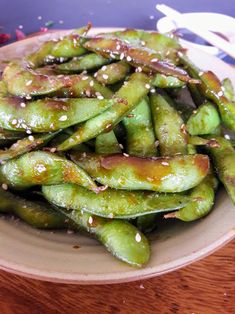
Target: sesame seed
{"x":53,"y":150}
{"x":91,"y":83}
{"x":110,"y":215}
{"x":90,"y":220}
{"x":122,"y":56}
{"x":84,"y":78}
{"x":126,"y":155}
{"x":121,"y":146}
{"x":40,"y":168}
{"x":139,"y":69}
{"x":104,"y":67}
{"x":28,"y":82}
{"x":143,"y":43}
{"x":4,"y":186}
{"x":22,"y":104}
{"x":14,"y":122}
{"x":156,"y":143}
{"x":220,"y":93}
{"x":28,"y":131}
{"x":105,"y":76}
{"x":128,"y":58}
{"x":147,"y":86}
{"x":61,"y":22}
{"x":112,"y":55}
{"x":142,"y":286}
{"x":165,"y":163}
{"x":39,"y":17}
{"x":227,"y":136}
{"x":118,"y":47}
{"x":100,"y":97}
{"x":200,"y":73}
{"x":28,"y":97}
{"x":63,"y":118}
{"x":152,"y":90}
{"x":95,"y":74}
{"x":137,"y":237}
{"x":154,"y":60}
{"x":52,"y":126}
{"x":151,"y":17}
{"x":31,"y":138}
{"x":20,"y":26}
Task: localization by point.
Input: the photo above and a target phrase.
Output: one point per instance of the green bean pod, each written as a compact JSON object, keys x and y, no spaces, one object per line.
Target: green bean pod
{"x":91,"y":61}
{"x":169,"y":127}
{"x":140,"y":133}
{"x":107,"y":143}
{"x":36,"y":214}
{"x":48,"y":115}
{"x":113,"y":203}
{"x":113,"y":73}
{"x":126,"y":99}
{"x":137,"y":56}
{"x":173,"y":174}
{"x":25,"y":145}
{"x":202,"y":197}
{"x":224,"y":162}
{"x":7,"y":136}
{"x":204,"y":120}
{"x":43,"y":168}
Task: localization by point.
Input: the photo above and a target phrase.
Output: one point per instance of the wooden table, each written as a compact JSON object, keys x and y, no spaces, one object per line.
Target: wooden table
{"x":205,"y":287}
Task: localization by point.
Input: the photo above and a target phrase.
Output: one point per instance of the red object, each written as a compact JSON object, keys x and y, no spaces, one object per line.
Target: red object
{"x":19,"y":34}
{"x":4,"y":38}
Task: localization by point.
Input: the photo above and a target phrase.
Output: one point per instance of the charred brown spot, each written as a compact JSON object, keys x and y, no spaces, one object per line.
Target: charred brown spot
{"x":230,"y":180}
{"x":202,"y":162}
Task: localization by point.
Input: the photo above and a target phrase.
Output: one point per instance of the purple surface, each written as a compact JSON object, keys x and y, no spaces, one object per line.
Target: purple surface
{"x":117,"y":13}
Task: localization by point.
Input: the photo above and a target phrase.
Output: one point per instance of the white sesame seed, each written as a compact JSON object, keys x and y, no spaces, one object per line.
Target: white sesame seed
{"x":28,"y":83}
{"x":122,"y":56}
{"x":126,"y":155}
{"x":31,"y":138}
{"x":112,"y":55}
{"x":28,"y":97}
{"x":147,"y":86}
{"x":4,"y":186}
{"x":63,"y":118}
{"x":14,"y":122}
{"x":227,"y":136}
{"x":39,"y":17}
{"x":28,"y":131}
{"x":20,"y":26}
{"x":95,"y":74}
{"x":154,"y":60}
{"x":91,"y":83}
{"x":142,"y":286}
{"x":84,"y":78}
{"x":137,"y":237}
{"x":165,"y":163}
{"x":143,"y":43}
{"x":22,"y":104}
{"x":152,"y":90}
{"x":53,"y":150}
{"x":121,"y":146}
{"x":151,"y":17}
{"x":220,"y":93}
{"x":128,"y":58}
{"x":104,"y":67}
{"x":100,"y":97}
{"x":90,"y":220}
{"x":110,"y":215}
{"x":200,"y":73}
{"x":105,"y":76}
{"x":40,"y":168}
{"x":61,"y":22}
{"x":118,"y":47}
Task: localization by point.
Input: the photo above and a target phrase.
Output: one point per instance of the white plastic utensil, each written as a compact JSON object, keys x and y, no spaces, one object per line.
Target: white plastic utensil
{"x":182,"y":21}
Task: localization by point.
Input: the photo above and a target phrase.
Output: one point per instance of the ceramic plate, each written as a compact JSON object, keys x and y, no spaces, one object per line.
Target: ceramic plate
{"x":51,"y":255}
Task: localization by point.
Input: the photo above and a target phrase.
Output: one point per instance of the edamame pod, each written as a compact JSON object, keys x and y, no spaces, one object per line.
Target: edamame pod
{"x":228,"y":89}
{"x":66,"y":47}
{"x":113,"y":73}
{"x":120,"y":50}
{"x":48,"y":115}
{"x":3,"y":89}
{"x":25,"y":145}
{"x":140,"y":134}
{"x":113,"y":203}
{"x":43,"y":168}
{"x":126,"y":99}
{"x":120,"y":238}
{"x":224,"y":161}
{"x":91,"y":61}
{"x":202,"y":201}
{"x":163,"y":81}
{"x":107,"y":143}
{"x":7,"y":136}
{"x":173,"y":174}
{"x":35,"y":214}
{"x":204,"y":120}
{"x":169,"y":127}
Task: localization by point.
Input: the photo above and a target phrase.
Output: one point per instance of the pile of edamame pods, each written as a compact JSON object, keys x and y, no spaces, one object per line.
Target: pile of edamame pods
{"x":110,"y":133}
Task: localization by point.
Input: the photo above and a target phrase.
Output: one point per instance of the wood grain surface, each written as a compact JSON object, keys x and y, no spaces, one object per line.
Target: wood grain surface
{"x":205,"y":287}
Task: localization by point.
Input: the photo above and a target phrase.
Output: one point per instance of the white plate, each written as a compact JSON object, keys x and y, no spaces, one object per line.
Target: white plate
{"x":51,"y":256}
